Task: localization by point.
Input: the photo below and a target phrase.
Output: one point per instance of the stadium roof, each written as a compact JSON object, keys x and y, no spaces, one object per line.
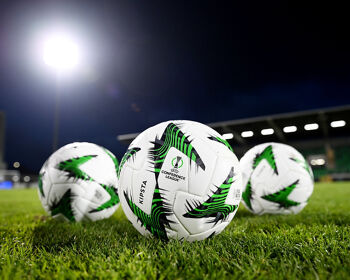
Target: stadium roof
{"x":321,"y":125}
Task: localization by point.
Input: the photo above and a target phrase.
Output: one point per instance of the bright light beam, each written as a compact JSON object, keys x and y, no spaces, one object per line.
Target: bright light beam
{"x":339,"y":123}
{"x":267,"y":131}
{"x":60,"y":52}
{"x":318,"y":161}
{"x":290,"y":129}
{"x":227,"y":136}
{"x":246,"y":134}
{"x":311,"y":126}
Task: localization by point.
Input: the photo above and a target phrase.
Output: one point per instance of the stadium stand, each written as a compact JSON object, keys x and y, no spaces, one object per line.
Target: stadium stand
{"x":2,"y":140}
{"x":322,"y":136}
{"x":11,"y":178}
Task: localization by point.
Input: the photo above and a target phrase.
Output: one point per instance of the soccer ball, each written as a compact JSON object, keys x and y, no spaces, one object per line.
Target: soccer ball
{"x":79,"y":182}
{"x":276,"y":179}
{"x":180,"y":180}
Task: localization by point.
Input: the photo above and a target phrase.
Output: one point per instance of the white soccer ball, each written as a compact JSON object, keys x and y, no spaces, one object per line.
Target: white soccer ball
{"x":180,"y":180}
{"x":79,"y":182}
{"x":276,"y":179}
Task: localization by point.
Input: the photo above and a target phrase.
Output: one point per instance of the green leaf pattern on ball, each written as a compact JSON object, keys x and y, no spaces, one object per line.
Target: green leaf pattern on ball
{"x":222,"y":141}
{"x":305,"y":165}
{"x":114,"y":159}
{"x":114,"y":200}
{"x":247,"y":195}
{"x":40,"y":183}
{"x":73,"y":170}
{"x":130,"y":153}
{"x":72,"y":167}
{"x":281,"y":197}
{"x":269,"y":156}
{"x":215,"y":205}
{"x":64,"y":206}
{"x":155,"y":222}
{"x":174,"y":137}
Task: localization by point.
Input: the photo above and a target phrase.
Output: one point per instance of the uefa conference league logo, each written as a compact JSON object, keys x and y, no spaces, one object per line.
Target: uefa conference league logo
{"x":177,"y":163}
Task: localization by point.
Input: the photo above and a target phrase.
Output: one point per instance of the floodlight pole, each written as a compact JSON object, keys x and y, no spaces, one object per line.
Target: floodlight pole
{"x":61,"y":55}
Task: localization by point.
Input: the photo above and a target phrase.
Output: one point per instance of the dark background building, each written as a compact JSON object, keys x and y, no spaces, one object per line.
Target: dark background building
{"x":322,"y":136}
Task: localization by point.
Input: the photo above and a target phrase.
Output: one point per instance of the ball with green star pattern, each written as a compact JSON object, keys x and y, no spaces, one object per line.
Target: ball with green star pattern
{"x":180,"y":180}
{"x":276,"y":179}
{"x":79,"y":182}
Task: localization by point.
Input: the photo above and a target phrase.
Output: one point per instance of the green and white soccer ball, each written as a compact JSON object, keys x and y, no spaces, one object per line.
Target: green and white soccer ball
{"x":180,"y":180}
{"x":79,"y":182}
{"x":276,"y":179}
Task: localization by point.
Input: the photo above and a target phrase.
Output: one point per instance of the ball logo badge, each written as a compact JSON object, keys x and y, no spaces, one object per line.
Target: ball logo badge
{"x":177,"y":163}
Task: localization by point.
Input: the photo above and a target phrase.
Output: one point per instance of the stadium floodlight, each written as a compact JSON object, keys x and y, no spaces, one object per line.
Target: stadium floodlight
{"x":15,"y":178}
{"x":227,"y":136}
{"x":26,"y":179}
{"x":318,"y":161}
{"x":60,"y":52}
{"x":267,"y":131}
{"x":311,"y":126}
{"x":339,"y":123}
{"x":289,"y":129}
{"x":246,"y":134}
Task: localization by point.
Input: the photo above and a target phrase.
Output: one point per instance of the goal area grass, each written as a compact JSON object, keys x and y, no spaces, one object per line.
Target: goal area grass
{"x":315,"y":244}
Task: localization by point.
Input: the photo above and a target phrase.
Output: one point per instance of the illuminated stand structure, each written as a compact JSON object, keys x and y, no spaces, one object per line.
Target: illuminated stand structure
{"x":322,"y":136}
{"x":8,"y":178}
{"x":5,"y":175}
{"x":2,"y":140}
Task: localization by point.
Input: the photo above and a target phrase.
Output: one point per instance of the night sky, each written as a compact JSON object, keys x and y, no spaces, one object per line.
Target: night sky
{"x":147,"y":62}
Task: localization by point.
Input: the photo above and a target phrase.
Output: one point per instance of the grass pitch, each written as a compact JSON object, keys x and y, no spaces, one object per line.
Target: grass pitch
{"x":313,"y":244}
